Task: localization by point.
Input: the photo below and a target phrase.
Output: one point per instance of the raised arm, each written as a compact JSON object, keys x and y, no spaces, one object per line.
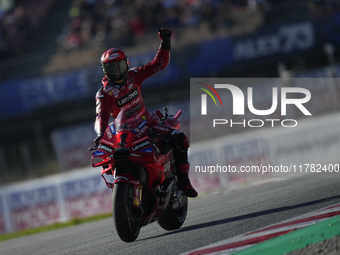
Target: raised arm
{"x":161,"y":59}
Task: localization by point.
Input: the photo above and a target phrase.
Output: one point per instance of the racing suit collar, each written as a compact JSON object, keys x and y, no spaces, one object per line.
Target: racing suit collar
{"x":107,"y":82}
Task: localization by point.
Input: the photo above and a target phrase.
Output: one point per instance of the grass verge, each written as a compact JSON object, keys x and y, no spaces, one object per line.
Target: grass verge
{"x":73,"y":222}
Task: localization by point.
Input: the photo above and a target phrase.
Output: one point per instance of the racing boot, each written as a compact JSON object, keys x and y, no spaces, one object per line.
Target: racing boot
{"x":184,"y":182}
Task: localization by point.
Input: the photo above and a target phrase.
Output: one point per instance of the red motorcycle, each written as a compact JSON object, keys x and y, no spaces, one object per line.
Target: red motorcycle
{"x":143,"y":166}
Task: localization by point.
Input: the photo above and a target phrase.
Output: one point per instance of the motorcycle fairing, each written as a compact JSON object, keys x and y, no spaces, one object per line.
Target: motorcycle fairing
{"x":101,"y":158}
{"x":112,"y":128}
{"x":131,"y":142}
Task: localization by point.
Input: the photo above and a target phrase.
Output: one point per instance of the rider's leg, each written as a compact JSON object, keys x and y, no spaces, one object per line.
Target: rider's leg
{"x":180,"y":150}
{"x":180,"y":146}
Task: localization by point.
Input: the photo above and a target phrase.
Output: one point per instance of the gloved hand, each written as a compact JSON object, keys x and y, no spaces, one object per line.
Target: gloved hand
{"x":97,"y":140}
{"x":165,"y":35}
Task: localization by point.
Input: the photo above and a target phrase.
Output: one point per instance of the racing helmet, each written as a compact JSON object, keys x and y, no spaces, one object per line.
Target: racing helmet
{"x":115,"y":65}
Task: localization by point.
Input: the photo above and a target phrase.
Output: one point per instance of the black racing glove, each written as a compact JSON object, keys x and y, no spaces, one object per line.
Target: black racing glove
{"x":165,"y":35}
{"x":97,"y":140}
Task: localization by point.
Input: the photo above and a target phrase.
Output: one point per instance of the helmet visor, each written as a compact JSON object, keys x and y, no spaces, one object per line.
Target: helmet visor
{"x":116,"y":68}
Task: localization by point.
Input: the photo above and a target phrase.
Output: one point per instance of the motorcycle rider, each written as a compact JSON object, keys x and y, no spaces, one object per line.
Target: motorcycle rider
{"x":122,"y":91}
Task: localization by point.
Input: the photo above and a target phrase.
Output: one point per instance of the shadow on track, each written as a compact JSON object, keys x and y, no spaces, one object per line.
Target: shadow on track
{"x":243,"y":217}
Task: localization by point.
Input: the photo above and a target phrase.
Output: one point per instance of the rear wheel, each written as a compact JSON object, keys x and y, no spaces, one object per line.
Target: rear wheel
{"x":126,"y":220}
{"x":174,"y":218}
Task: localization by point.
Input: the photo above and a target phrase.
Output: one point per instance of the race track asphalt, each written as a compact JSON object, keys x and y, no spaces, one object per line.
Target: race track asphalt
{"x":210,"y":219}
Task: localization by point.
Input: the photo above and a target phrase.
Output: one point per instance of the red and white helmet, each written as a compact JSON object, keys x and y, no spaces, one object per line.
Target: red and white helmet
{"x":115,"y":64}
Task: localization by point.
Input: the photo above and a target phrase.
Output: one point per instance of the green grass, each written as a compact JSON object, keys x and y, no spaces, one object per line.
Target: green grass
{"x":73,"y":222}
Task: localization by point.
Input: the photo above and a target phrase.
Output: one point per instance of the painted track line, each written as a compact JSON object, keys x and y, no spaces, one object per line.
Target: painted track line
{"x":247,"y":240}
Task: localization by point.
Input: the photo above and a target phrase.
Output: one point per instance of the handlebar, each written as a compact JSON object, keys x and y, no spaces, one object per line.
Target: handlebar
{"x":93,"y":148}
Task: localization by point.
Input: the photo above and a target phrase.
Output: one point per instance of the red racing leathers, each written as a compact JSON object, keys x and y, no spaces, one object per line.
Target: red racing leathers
{"x":111,"y":99}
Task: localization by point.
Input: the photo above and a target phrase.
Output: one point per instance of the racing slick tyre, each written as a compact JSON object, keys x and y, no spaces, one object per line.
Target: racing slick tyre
{"x":125,"y":218}
{"x":173,"y":219}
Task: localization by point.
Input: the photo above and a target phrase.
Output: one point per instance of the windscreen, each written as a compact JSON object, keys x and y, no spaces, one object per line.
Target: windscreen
{"x":130,"y":120}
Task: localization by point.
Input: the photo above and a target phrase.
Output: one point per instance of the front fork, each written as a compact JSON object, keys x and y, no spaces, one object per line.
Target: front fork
{"x":137,"y":191}
{"x":137,"y":196}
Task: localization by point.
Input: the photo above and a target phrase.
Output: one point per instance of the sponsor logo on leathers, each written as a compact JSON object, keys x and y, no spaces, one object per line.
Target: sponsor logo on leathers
{"x":127,"y":98}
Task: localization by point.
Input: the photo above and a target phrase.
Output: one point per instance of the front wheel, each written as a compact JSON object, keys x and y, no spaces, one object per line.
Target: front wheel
{"x":125,"y":218}
{"x":174,"y":218}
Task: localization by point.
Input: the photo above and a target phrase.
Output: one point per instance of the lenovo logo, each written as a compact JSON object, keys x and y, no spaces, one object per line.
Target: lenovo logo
{"x":127,"y":98}
{"x":141,"y":145}
{"x":105,"y":148}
